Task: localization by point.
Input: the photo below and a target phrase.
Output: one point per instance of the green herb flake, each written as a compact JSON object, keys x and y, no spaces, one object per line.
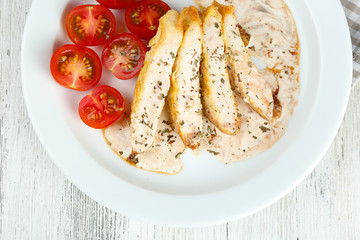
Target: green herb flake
{"x":213,"y":152}
{"x":132,"y":158}
{"x":178,"y":154}
{"x":264,"y":129}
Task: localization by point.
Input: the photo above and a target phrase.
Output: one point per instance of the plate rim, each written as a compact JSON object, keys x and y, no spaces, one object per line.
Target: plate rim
{"x":322,"y":22}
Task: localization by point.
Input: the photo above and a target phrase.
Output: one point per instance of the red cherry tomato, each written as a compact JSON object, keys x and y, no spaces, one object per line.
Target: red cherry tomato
{"x":90,"y":25}
{"x":142,"y":18}
{"x":124,"y":55}
{"x":102,"y":107}
{"x":76,"y":67}
{"x":116,"y":4}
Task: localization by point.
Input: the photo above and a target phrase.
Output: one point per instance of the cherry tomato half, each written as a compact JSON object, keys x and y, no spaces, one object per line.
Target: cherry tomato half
{"x":116,"y":4}
{"x":90,"y":25}
{"x":142,"y":18}
{"x":76,"y":67}
{"x":124,"y":55}
{"x":102,"y":107}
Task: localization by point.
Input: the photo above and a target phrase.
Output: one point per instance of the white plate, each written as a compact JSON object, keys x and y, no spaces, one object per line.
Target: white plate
{"x":206,"y":191}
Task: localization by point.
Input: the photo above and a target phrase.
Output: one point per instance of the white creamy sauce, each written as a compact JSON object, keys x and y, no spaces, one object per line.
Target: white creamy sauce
{"x":274,"y":40}
{"x":256,"y":135}
{"x":163,"y":156}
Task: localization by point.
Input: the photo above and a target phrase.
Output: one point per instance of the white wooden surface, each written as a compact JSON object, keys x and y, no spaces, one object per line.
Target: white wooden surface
{"x":38,"y":202}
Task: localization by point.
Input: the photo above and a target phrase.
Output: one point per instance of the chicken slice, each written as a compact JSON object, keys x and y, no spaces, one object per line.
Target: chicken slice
{"x":244,"y":74}
{"x":153,"y":83}
{"x":184,"y":95}
{"x":218,"y":99}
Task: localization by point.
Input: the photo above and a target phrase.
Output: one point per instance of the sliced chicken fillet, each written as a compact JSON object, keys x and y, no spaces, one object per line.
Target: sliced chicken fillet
{"x":218,"y":99}
{"x":153,"y":83}
{"x":184,"y":95}
{"x":244,"y":74}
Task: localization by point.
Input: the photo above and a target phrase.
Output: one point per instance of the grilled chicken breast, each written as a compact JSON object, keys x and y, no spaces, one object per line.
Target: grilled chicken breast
{"x":184,"y":95}
{"x":218,"y":99}
{"x":244,"y":75}
{"x":153,"y":83}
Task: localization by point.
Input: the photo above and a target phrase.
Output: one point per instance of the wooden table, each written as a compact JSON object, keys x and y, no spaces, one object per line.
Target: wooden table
{"x":38,"y":202}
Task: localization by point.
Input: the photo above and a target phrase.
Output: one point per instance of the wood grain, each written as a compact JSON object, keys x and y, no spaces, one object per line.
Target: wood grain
{"x":38,"y":202}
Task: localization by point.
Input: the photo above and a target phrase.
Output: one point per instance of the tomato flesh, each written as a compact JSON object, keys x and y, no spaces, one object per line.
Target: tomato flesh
{"x":124,"y":56}
{"x":76,"y":67}
{"x":115,"y":4}
{"x":142,"y":18}
{"x":102,"y":107}
{"x":90,"y":25}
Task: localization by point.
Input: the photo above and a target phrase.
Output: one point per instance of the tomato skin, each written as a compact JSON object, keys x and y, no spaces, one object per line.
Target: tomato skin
{"x":90,"y":25}
{"x":115,"y":4}
{"x":122,"y":50}
{"x":142,"y":18}
{"x":102,"y":107}
{"x":76,"y":67}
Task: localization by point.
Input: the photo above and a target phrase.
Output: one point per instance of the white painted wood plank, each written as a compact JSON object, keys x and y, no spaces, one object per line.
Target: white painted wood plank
{"x":37,"y":202}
